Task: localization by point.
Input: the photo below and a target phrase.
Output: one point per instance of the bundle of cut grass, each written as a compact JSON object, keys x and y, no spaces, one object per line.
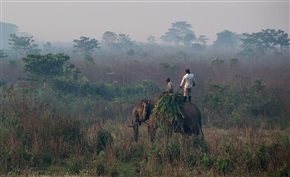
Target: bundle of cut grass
{"x":168,"y":108}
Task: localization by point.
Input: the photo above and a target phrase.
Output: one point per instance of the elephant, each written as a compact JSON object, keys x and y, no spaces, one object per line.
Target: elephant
{"x":142,"y":112}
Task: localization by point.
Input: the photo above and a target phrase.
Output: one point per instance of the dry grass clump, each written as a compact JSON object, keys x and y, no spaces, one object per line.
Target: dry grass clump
{"x":236,"y":151}
{"x":251,"y":151}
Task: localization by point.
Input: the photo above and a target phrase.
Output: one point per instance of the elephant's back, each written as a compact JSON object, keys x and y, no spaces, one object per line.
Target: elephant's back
{"x":192,"y":118}
{"x":190,"y":109}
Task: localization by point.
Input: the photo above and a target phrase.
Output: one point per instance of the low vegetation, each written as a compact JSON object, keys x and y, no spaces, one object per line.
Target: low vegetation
{"x":75,"y":122}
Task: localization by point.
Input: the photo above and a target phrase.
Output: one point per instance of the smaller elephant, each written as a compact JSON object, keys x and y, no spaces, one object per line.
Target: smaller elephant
{"x":143,"y":112}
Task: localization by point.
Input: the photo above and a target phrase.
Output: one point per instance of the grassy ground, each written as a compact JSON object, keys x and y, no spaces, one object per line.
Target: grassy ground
{"x":224,"y":152}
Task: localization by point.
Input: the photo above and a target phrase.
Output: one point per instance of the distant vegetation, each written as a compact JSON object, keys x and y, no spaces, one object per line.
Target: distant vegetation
{"x":65,"y":110}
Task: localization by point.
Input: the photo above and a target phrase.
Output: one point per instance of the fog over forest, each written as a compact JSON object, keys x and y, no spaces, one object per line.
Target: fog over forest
{"x":70,"y":108}
{"x":63,"y":21}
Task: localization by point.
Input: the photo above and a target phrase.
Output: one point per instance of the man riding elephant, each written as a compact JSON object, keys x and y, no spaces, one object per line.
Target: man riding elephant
{"x":169,"y":87}
{"x":188,"y":81}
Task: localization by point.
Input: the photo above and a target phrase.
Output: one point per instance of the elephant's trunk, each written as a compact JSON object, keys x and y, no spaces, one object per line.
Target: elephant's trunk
{"x":133,"y":124}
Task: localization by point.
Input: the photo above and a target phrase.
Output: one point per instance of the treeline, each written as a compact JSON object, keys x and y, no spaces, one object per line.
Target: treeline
{"x":179,"y":35}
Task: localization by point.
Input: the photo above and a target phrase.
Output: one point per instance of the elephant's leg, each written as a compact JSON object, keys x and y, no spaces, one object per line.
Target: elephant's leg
{"x":152,"y":132}
{"x":152,"y":128}
{"x":136,"y":131}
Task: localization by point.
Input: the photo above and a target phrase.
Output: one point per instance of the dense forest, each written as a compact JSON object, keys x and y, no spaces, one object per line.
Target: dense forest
{"x":66,"y":108}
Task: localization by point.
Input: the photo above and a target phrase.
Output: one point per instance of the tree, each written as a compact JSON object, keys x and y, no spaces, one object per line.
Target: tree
{"x":43,"y":67}
{"x":227,"y":40}
{"x":109,"y":38}
{"x":262,"y":42}
{"x":47,"y":48}
{"x":276,"y":39}
{"x":23,"y":44}
{"x":151,"y":39}
{"x":119,"y":41}
{"x":180,"y":33}
{"x":202,"y":40}
{"x":200,"y":43}
{"x":125,"y":41}
{"x":85,"y":45}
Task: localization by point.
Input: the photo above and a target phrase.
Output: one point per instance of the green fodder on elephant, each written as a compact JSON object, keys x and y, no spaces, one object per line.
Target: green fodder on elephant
{"x":168,"y":110}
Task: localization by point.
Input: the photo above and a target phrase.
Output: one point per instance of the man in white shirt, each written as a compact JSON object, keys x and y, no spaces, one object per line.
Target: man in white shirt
{"x":188,"y":81}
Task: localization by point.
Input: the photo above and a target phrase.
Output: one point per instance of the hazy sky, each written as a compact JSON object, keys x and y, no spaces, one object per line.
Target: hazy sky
{"x":52,"y":21}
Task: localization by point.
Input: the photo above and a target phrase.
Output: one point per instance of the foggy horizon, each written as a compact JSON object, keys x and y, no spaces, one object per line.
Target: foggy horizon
{"x":51,"y":21}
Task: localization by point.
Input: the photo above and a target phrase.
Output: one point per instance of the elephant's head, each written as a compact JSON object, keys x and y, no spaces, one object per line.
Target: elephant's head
{"x":141,"y":112}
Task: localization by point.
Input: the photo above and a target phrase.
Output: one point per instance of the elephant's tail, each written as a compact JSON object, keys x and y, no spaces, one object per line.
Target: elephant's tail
{"x":200,"y":125}
{"x":202,"y":136}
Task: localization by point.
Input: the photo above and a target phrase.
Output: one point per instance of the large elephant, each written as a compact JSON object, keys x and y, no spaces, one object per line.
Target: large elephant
{"x":142,"y":112}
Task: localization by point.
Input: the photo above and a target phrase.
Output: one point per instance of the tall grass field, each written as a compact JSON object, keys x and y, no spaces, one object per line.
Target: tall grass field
{"x":79,"y":126}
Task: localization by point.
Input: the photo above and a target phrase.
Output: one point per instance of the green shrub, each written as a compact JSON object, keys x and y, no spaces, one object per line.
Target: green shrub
{"x":223,"y":165}
{"x":104,"y":139}
{"x":217,"y":61}
{"x":155,"y":152}
{"x":101,"y":167}
{"x":207,"y":161}
{"x":262,"y":156}
{"x":262,"y":102}
{"x":201,"y":145}
{"x":221,"y":99}
{"x":233,"y":61}
{"x":75,"y":165}
{"x":284,"y":171}
{"x":192,"y":158}
{"x":172,"y":151}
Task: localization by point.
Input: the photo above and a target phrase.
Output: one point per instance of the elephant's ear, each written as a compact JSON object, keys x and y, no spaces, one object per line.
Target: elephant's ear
{"x":144,"y":112}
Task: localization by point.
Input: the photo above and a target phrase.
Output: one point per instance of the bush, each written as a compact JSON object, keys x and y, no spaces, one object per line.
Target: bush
{"x":223,"y":166}
{"x":172,"y":151}
{"x":104,"y":139}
